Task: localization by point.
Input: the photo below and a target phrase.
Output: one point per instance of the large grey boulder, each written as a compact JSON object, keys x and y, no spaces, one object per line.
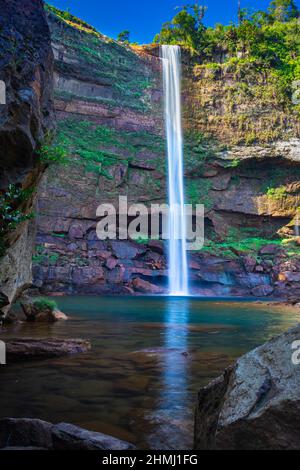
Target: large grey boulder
{"x":256,"y":403}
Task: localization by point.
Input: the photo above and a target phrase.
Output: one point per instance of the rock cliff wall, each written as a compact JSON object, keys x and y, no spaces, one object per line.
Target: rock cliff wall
{"x":26,"y":63}
{"x":242,"y":163}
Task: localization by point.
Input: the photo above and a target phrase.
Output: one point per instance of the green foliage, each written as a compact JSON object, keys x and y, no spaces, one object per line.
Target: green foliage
{"x":45,"y":304}
{"x":283,"y":10}
{"x":102,"y":60}
{"x":58,"y":235}
{"x":11,"y":212}
{"x":278,"y":178}
{"x":268,"y":41}
{"x":186,"y":28}
{"x":276,"y":193}
{"x":67,"y":16}
{"x":52,"y":154}
{"x":98,"y":148}
{"x":197,"y":192}
{"x":43,"y":256}
{"x":124,"y":36}
{"x":235,"y":245}
{"x":142,"y":240}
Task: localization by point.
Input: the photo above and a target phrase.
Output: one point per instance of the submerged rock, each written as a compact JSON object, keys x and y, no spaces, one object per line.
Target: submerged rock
{"x":28,"y":348}
{"x":255,"y":404}
{"x":28,"y":434}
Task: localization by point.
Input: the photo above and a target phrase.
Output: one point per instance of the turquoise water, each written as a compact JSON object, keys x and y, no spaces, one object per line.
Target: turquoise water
{"x":149,"y":358}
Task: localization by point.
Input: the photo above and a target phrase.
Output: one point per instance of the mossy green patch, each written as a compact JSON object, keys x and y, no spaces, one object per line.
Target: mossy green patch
{"x":98,"y":59}
{"x":98,"y":148}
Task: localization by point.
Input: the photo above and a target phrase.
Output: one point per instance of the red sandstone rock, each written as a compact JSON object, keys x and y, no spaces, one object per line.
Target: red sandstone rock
{"x":146,"y":287}
{"x":111,"y":263}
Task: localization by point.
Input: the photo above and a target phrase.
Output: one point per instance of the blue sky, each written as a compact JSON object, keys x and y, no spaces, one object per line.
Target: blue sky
{"x":143,"y":18}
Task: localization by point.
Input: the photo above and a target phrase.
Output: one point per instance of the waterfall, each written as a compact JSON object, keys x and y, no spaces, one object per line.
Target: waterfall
{"x":178,"y":273}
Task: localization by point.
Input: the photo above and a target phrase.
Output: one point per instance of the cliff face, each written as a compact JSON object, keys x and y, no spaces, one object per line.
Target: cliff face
{"x":108,"y":106}
{"x":250,"y":132}
{"x":241,"y":159}
{"x":26,"y":62}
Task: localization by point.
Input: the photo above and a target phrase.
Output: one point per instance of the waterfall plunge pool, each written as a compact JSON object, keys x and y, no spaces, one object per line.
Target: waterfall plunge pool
{"x":149,"y":357}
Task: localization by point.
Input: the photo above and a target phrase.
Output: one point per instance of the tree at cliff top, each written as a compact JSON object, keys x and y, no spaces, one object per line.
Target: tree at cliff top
{"x":68,"y":17}
{"x":270,"y":40}
{"x":283,"y":10}
{"x":124,"y":36}
{"x":186,"y":28}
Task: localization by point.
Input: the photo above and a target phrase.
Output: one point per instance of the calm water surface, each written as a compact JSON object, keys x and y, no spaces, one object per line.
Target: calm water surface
{"x":149,"y":357}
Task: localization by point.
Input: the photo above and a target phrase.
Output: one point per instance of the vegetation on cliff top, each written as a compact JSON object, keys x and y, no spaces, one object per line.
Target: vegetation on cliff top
{"x":270,"y":40}
{"x":71,"y":19}
{"x":89,"y":56}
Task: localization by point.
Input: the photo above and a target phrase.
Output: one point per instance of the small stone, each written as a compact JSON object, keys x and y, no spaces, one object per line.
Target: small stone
{"x":259,"y":269}
{"x":111,"y":263}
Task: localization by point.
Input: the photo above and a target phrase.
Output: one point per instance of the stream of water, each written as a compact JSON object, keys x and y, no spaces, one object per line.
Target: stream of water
{"x":178,"y":272}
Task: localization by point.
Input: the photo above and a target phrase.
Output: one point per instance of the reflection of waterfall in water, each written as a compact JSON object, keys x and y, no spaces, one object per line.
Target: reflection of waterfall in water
{"x":178,"y":274}
{"x":173,"y":415}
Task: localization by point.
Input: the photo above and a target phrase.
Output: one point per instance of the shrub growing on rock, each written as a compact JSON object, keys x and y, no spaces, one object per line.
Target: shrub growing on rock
{"x":45,"y":304}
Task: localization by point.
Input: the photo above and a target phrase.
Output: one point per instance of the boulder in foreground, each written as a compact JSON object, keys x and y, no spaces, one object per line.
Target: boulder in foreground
{"x":256,"y":403}
{"x":18,"y":350}
{"x":25,"y":433}
{"x":29,"y":434}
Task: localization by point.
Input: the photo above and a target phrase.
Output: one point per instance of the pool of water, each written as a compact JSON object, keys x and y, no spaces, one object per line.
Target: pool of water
{"x":149,"y":358}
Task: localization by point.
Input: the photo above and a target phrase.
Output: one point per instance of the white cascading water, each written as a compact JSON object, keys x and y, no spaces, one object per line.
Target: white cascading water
{"x":178,"y":272}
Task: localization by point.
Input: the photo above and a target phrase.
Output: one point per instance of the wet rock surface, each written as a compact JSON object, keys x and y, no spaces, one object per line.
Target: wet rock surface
{"x":19,"y":350}
{"x":26,"y":67}
{"x":25,"y":433}
{"x":35,"y":313}
{"x":231,"y":183}
{"x":255,"y":404}
{"x":70,"y":437}
{"x":29,"y":434}
{"x":146,"y":287}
